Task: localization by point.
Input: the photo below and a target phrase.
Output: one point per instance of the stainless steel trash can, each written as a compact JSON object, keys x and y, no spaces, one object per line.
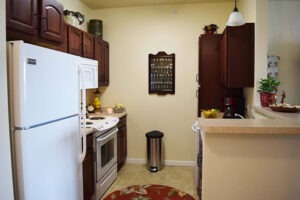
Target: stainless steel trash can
{"x":155,"y":161}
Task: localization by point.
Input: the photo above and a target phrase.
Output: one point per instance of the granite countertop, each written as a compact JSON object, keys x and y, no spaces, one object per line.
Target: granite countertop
{"x":250,"y":126}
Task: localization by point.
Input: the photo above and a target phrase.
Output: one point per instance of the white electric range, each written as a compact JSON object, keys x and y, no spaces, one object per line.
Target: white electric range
{"x":105,"y":148}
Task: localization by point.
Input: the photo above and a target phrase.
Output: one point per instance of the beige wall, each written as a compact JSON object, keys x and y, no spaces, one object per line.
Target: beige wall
{"x":6,"y":187}
{"x":135,"y":32}
{"x":257,"y":11}
{"x":247,"y":167}
{"x":284,"y":41}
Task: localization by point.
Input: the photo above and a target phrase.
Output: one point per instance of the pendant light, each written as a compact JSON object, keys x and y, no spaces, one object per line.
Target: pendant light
{"x":235,"y":18}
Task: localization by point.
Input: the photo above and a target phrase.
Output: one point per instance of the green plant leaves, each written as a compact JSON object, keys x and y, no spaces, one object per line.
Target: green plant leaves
{"x":268,"y":84}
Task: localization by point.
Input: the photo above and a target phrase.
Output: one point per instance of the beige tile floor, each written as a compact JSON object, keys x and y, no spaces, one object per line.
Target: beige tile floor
{"x":179,"y":177}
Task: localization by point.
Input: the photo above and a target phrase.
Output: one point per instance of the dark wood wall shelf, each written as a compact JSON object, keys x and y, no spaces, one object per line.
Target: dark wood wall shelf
{"x":161,"y":73}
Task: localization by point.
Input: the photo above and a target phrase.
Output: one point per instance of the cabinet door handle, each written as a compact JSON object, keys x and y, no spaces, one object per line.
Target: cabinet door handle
{"x":197,"y":93}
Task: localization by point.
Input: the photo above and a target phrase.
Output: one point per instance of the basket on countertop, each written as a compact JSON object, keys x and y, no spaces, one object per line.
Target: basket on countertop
{"x":119,"y":108}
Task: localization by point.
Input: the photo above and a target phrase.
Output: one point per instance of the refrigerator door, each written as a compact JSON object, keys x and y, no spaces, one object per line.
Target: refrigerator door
{"x":44,"y":84}
{"x":47,"y":161}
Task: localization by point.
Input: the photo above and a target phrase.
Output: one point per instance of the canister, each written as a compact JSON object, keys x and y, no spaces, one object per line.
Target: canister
{"x":95,"y":28}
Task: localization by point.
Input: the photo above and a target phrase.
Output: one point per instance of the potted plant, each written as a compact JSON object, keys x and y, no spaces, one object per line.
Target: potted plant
{"x":267,"y":89}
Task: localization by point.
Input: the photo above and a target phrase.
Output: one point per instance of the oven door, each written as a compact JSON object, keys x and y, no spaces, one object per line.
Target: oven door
{"x":106,"y":150}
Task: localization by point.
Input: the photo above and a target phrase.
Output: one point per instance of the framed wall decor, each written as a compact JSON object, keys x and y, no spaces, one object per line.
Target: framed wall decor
{"x":161,"y":73}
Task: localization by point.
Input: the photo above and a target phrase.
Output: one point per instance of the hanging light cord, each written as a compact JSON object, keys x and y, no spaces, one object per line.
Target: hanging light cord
{"x":235,"y":8}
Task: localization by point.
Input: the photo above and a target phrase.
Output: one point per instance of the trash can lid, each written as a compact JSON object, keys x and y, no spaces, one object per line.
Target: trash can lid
{"x":154,"y":134}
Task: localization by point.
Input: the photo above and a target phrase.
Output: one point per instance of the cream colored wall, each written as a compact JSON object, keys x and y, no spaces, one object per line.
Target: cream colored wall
{"x":257,"y":11}
{"x":135,"y":32}
{"x":6,"y":187}
{"x":284,"y":41}
{"x":251,"y":167}
{"x":248,"y":10}
{"x":76,"y":5}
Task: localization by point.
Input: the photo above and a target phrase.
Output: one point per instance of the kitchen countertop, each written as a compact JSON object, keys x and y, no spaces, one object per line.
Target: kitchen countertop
{"x":276,"y":115}
{"x":250,"y":126}
{"x":103,"y":114}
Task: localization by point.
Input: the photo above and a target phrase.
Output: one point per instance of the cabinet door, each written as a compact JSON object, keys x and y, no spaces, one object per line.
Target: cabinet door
{"x":98,"y":46}
{"x":105,"y":79}
{"x":22,"y":16}
{"x":101,"y":53}
{"x":238,"y":47}
{"x":88,"y":45}
{"x":52,"y":21}
{"x":88,"y":170}
{"x":121,"y":146}
{"x":74,"y":41}
{"x":211,"y":91}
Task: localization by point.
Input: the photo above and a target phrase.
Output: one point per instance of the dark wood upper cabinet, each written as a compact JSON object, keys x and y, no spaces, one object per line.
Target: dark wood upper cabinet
{"x":211,"y":92}
{"x":74,"y":42}
{"x":88,"y":45}
{"x":22,"y":16}
{"x":52,"y":21}
{"x":104,"y":79}
{"x":79,"y":42}
{"x":101,"y":53}
{"x":39,"y":22}
{"x":237,"y":56}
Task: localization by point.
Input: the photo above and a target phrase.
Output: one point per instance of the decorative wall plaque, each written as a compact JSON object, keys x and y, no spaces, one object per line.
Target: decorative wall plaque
{"x":162,"y":73}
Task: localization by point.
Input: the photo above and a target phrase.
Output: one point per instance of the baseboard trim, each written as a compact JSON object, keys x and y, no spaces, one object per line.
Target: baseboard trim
{"x":167,"y":162}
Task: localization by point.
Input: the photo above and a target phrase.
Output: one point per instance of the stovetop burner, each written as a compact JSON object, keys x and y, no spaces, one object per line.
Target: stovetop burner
{"x":96,"y":118}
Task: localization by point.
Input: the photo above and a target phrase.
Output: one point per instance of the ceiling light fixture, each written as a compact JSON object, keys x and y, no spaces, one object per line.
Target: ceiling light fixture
{"x":235,"y":18}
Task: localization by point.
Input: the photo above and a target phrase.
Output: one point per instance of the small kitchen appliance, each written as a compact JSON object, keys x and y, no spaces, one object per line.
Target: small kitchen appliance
{"x":233,"y":106}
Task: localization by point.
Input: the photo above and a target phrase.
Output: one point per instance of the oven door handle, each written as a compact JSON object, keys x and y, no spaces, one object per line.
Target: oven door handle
{"x":100,"y":139}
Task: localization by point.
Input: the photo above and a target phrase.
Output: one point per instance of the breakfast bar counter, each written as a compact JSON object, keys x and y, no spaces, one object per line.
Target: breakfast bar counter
{"x":250,"y":159}
{"x":266,"y":111}
{"x":250,"y":126}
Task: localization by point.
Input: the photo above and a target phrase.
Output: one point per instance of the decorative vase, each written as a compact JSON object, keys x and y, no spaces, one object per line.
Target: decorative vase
{"x":266,"y":98}
{"x":72,"y":20}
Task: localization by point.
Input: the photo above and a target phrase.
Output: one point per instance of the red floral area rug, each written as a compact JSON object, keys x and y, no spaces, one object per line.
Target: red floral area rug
{"x":149,"y":192}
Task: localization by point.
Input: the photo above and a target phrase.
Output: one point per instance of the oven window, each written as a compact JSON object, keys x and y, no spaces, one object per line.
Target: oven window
{"x":107,"y":152}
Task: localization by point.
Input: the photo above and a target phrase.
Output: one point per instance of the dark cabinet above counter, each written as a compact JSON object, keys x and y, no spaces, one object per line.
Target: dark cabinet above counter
{"x":211,"y":92}
{"x":226,"y":66}
{"x":101,"y":53}
{"x":41,"y":22}
{"x":237,"y":56}
{"x":34,"y":21}
{"x":79,"y":42}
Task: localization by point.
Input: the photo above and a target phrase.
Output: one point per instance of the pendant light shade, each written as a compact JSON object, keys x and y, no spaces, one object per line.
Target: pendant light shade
{"x":235,"y":18}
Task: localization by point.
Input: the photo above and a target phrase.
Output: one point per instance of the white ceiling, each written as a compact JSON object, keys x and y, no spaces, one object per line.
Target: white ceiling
{"x":99,"y":4}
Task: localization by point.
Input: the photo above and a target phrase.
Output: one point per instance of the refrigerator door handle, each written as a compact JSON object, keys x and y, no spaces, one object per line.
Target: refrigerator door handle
{"x":83,"y":115}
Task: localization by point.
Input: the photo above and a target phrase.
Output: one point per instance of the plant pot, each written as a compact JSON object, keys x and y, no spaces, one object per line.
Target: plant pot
{"x":266,"y":99}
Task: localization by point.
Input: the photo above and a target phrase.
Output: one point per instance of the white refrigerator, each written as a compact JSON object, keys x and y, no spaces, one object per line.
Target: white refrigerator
{"x":45,"y":111}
